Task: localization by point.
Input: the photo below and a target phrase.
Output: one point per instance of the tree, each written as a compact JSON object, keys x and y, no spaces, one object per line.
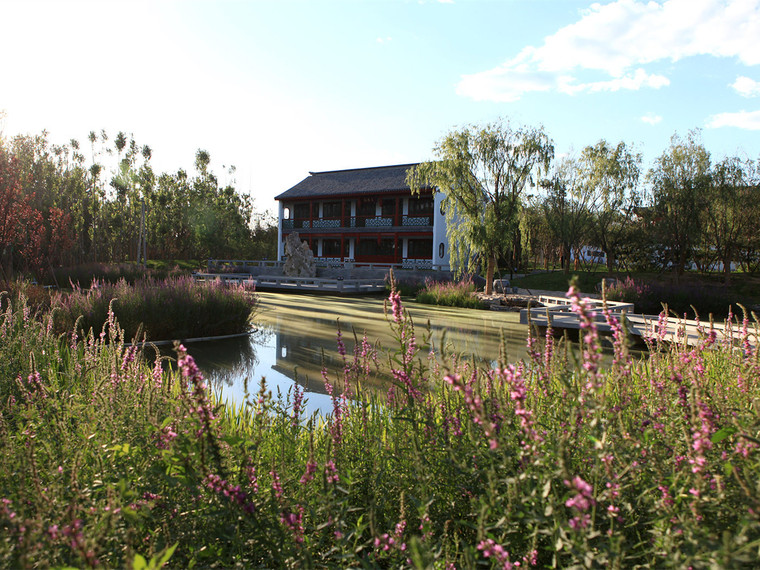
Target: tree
{"x":730,"y":216}
{"x":13,"y":208}
{"x":611,"y":174}
{"x":483,"y":171}
{"x":566,"y":208}
{"x":680,"y":181}
{"x":538,"y":240}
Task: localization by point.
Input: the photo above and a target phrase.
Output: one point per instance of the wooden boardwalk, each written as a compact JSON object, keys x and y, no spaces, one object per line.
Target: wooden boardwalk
{"x":682,"y":331}
{"x":300,"y":284}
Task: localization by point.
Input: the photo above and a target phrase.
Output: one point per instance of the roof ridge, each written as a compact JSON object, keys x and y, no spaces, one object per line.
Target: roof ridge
{"x":365,"y":168}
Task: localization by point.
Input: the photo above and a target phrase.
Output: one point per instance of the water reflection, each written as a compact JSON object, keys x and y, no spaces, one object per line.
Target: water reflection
{"x":296,"y":338}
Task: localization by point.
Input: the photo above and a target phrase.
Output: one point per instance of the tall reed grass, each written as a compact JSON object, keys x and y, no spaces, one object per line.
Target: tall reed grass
{"x":173,"y":308}
{"x":111,"y":459}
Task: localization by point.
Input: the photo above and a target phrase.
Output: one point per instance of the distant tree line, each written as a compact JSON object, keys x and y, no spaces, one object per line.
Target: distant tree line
{"x":511,"y":204}
{"x":684,"y":211}
{"x":59,"y":207}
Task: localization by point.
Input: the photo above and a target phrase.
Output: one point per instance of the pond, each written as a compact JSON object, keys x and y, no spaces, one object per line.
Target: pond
{"x":297,"y":334}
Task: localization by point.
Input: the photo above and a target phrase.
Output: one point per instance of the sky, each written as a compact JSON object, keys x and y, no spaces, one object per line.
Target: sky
{"x":279,"y":88}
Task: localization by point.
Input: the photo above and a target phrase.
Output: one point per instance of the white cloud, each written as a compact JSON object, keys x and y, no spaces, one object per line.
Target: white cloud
{"x":384,"y":40}
{"x":746,"y":87}
{"x":614,"y":39}
{"x":748,"y":120}
{"x":632,"y":81}
{"x":496,"y":85}
{"x":651,"y":119}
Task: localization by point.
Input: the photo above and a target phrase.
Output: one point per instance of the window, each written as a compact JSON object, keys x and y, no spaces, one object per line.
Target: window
{"x":389,"y":207}
{"x":420,"y":249}
{"x":422,"y":206}
{"x":331,"y":210}
{"x":371,"y":246}
{"x":366,"y":207}
{"x":331,"y":248}
{"x":301,"y":211}
{"x":441,"y":250}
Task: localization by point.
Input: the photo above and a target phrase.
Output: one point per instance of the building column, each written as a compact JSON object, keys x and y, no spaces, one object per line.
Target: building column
{"x":280,"y":245}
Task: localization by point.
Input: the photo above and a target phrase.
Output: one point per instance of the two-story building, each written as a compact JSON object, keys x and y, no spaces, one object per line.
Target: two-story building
{"x":365,"y":215}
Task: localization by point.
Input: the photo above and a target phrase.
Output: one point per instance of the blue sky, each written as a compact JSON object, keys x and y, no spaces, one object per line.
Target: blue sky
{"x":281,"y":87}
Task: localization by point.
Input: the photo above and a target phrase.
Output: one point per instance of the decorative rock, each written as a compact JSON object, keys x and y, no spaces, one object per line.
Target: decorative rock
{"x":300,"y":259}
{"x":501,"y":285}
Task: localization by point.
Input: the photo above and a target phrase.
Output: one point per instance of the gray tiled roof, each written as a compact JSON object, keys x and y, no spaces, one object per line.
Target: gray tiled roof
{"x":334,"y":183}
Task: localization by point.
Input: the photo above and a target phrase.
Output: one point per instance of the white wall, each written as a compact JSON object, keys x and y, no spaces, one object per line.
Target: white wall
{"x":439,"y":232}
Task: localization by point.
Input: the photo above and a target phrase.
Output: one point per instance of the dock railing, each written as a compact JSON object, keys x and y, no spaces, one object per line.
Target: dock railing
{"x":675,"y":329}
{"x":560,"y":311}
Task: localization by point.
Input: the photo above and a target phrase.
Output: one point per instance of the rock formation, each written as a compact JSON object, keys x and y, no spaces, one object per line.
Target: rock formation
{"x":300,"y":259}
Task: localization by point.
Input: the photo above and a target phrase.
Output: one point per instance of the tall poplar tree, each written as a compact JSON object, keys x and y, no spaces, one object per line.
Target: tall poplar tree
{"x":483,"y":171}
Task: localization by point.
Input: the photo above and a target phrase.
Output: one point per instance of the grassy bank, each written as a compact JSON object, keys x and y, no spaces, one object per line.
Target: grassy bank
{"x":109,"y":459}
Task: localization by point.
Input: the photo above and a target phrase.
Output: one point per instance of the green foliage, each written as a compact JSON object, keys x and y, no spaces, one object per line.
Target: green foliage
{"x":559,"y":281}
{"x":611,"y":174}
{"x":76,"y":212}
{"x":680,"y":182}
{"x":566,"y":208}
{"x":681,"y":299}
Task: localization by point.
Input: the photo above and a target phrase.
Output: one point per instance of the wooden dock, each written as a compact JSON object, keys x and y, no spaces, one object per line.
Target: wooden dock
{"x":682,"y":331}
{"x":300,"y":284}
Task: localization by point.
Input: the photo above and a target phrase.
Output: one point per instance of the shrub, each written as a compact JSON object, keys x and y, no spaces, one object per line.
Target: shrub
{"x":406,"y":286}
{"x":649,"y":298}
{"x":451,"y":294}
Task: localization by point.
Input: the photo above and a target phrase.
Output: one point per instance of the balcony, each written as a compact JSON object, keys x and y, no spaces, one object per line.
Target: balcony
{"x":350,"y":222}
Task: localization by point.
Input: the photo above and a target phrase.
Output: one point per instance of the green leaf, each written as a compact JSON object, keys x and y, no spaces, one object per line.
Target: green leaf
{"x":139,"y":563}
{"x":164,"y":557}
{"x":233,"y":440}
{"x":722,"y":434}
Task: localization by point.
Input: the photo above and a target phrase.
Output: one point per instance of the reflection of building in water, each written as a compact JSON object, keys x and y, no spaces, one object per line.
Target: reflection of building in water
{"x":223,"y":362}
{"x":301,"y":359}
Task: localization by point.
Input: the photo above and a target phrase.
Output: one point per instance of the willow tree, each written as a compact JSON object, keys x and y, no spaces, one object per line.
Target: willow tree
{"x":482,"y":172}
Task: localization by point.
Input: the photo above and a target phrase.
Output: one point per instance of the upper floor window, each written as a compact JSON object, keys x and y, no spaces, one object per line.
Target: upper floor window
{"x":388,"y":207}
{"x":422,"y":206}
{"x":366,"y":207}
{"x":331,"y":209}
{"x":301,"y":210}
